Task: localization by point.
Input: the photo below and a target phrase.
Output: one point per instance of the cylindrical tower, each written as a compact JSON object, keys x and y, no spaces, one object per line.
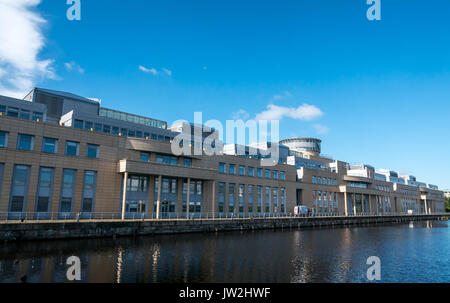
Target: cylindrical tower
{"x":310,"y":146}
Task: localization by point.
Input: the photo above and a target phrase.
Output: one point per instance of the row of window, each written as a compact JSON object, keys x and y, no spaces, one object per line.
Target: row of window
{"x":383,"y":188}
{"x":44,"y":194}
{"x":268,"y":200}
{"x":113,"y":114}
{"x":21,"y":113}
{"x":324,"y":181}
{"x":108,"y":129}
{"x":357,"y":184}
{"x":168,"y":185}
{"x":49,"y":145}
{"x":325,"y":202}
{"x":408,"y":192}
{"x":250,"y":171}
{"x":166,"y":159}
{"x":137,"y":187}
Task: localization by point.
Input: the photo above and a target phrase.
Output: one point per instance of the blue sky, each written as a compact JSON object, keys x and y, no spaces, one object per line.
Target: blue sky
{"x":382,"y":86}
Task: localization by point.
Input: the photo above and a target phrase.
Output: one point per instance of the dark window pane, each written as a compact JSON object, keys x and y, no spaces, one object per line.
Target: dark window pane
{"x":66,"y":205}
{"x":25,"y":142}
{"x":13,"y":112}
{"x":87,"y":205}
{"x":78,"y":124}
{"x":42,"y":204}
{"x":17,"y":204}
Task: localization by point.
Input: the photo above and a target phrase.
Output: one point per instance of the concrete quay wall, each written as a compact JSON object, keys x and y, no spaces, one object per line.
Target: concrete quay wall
{"x":17,"y":231}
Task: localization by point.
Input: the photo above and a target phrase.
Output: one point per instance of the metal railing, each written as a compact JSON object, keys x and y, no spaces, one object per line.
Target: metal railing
{"x":114,"y":216}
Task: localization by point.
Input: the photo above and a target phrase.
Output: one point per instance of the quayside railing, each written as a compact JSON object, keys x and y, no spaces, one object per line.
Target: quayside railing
{"x":26,"y":217}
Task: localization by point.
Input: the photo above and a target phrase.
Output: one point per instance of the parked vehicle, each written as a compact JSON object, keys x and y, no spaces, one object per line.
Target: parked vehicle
{"x":301,"y":211}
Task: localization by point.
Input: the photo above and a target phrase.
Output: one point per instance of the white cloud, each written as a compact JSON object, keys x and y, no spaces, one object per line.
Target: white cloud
{"x":21,"y":41}
{"x":74,"y":66}
{"x":321,"y":129}
{"x":148,"y":70}
{"x":282,"y":96}
{"x":304,"y":112}
{"x":167,"y":71}
{"x":240,"y":115}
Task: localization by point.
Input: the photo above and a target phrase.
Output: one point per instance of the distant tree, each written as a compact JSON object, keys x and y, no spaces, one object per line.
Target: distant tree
{"x":447,"y":204}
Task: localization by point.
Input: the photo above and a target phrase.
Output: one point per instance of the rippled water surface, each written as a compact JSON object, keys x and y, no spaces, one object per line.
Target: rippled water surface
{"x":408,"y":253}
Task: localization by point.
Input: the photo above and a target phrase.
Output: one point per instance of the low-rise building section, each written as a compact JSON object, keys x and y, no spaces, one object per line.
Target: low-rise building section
{"x":62,"y":155}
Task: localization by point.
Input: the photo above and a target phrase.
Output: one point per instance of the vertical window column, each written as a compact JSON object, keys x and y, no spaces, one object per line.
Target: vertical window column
{"x":268,"y":202}
{"x":259,"y":200}
{"x":44,"y":192}
{"x":1,"y":176}
{"x":89,"y":188}
{"x":67,"y":193}
{"x":231,"y":198}
{"x":251,"y":199}
{"x":19,"y":189}
{"x":275,"y":201}
{"x":221,"y":198}
{"x":283,"y":200}
{"x":241,"y":199}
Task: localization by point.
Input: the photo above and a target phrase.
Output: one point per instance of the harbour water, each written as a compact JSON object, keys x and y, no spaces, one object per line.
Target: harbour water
{"x":418,"y":252}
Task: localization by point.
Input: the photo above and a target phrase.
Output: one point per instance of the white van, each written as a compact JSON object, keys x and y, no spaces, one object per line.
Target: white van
{"x":301,"y":210}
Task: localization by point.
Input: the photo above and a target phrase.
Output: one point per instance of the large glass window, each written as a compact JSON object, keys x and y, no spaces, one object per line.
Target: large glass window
{"x":275,"y":200}
{"x":275,"y":174}
{"x":283,"y":200}
{"x":166,"y":159}
{"x":268,"y":204}
{"x":44,"y":192}
{"x":259,"y":172}
{"x":282,"y":175}
{"x":92,"y":151}
{"x":357,"y":184}
{"x":49,"y":145}
{"x":12,"y":112}
{"x":259,"y":199}
{"x":316,"y":207}
{"x":78,"y":124}
{"x":138,"y":184}
{"x":88,"y":125}
{"x":232,"y":169}
{"x":1,"y":176}
{"x":72,"y":148}
{"x":90,"y":180}
{"x":106,"y":129}
{"x":67,"y":190}
{"x":231,"y":197}
{"x":19,"y":188}
{"x":25,"y":142}
{"x":3,"y":139}
{"x":251,"y":171}
{"x":222,"y":168}
{"x":267,"y":174}
{"x":221,"y":198}
{"x":145,"y":157}
{"x":37,"y":116}
{"x":241,"y":170}
{"x":241,"y":194}
{"x":25,"y":114}
{"x":251,"y":198}
{"x":187,"y":162}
